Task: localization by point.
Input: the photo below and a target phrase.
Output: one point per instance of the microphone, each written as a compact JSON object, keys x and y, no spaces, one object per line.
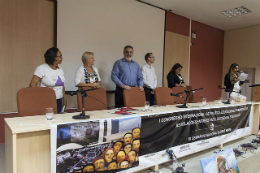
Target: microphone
{"x":177,"y":95}
{"x":81,"y":91}
{"x":84,"y":94}
{"x":221,"y":87}
{"x":255,"y":85}
{"x":73,"y":93}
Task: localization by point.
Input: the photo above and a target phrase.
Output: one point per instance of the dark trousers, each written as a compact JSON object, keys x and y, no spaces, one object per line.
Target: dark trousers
{"x":149,"y":96}
{"x":59,"y":105}
{"x":119,"y":100}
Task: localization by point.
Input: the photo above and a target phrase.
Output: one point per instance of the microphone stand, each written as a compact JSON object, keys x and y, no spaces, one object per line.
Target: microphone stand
{"x":228,"y":101}
{"x":82,"y":115}
{"x":188,"y":93}
{"x":229,"y":93}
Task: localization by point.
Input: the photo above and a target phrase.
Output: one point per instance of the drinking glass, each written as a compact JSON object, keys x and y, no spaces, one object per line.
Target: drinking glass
{"x":204,"y":101}
{"x":147,"y":105}
{"x":49,"y":113}
{"x":220,"y":100}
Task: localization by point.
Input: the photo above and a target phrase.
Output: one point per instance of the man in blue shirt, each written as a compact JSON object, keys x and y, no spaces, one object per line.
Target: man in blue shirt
{"x":126,"y":73}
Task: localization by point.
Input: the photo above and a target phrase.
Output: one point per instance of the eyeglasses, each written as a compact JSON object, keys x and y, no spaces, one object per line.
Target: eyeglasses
{"x":151,"y":57}
{"x":59,"y":56}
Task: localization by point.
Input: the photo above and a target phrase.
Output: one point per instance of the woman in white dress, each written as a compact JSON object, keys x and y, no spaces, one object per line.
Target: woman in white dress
{"x":87,"y":75}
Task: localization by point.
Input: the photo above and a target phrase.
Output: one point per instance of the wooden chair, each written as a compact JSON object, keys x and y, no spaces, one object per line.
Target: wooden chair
{"x":179,"y":100}
{"x":163,"y":96}
{"x":134,"y":97}
{"x":97,"y":102}
{"x":35,"y":100}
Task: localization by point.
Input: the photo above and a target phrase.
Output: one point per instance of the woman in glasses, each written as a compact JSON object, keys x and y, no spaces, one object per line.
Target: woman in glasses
{"x":51,"y":75}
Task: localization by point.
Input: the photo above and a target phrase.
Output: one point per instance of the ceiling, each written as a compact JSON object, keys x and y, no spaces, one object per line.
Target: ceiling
{"x":209,"y":11}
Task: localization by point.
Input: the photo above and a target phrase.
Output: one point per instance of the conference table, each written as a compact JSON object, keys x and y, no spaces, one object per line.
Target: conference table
{"x":27,"y":139}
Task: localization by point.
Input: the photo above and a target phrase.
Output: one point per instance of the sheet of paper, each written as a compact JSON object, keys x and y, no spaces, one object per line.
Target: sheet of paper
{"x":242,"y":76}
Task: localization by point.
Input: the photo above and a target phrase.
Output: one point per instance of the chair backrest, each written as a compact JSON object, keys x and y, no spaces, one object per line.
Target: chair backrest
{"x":91,"y":104}
{"x":191,"y":97}
{"x":163,"y":96}
{"x":35,"y":100}
{"x":179,"y":100}
{"x":134,"y":97}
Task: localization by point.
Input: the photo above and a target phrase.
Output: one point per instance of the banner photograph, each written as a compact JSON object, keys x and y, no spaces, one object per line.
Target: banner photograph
{"x":98,"y":145}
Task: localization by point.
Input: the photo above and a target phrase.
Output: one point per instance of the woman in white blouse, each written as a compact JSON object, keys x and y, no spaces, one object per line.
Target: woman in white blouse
{"x":51,"y":75}
{"x":87,"y":75}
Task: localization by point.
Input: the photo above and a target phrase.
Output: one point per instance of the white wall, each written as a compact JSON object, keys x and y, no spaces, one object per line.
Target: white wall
{"x":242,"y":46}
{"x":105,"y":27}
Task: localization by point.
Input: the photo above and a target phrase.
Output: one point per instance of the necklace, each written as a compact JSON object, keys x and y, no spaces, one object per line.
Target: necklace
{"x":90,"y":68}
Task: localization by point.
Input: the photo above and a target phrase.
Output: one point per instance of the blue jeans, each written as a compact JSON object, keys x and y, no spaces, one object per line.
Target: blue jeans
{"x":59,"y":105}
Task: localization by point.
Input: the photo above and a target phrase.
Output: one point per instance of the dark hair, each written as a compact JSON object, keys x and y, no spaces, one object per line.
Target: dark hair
{"x":136,"y":128}
{"x":232,"y":66}
{"x":50,"y":55}
{"x":117,"y":142}
{"x":177,"y":65}
{"x":136,"y":140}
{"x":147,"y":56}
{"x":134,"y":151}
{"x":128,"y":46}
{"x":127,"y":134}
{"x":124,"y":161}
{"x":89,"y":164}
{"x":98,"y":158}
{"x":120,"y":151}
{"x":126,"y":145}
{"x":112,"y":162}
{"x":136,"y":163}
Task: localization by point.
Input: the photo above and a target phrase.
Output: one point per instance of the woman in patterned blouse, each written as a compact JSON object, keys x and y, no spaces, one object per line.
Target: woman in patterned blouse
{"x":87,"y":75}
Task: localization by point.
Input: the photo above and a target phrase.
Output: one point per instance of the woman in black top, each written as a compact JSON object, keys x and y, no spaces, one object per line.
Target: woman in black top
{"x":231,"y":78}
{"x":174,"y":77}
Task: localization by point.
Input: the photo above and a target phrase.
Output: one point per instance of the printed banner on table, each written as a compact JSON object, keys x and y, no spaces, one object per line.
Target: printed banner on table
{"x":118,"y":144}
{"x":98,"y":145}
{"x":163,"y":131}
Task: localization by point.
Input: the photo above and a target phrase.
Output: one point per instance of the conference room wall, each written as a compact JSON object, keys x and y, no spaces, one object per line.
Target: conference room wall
{"x":206,"y":61}
{"x":26,"y":32}
{"x":177,"y":45}
{"x":202,"y":61}
{"x":242,"y":46}
{"x":104,"y":27}
{"x":176,"y":51}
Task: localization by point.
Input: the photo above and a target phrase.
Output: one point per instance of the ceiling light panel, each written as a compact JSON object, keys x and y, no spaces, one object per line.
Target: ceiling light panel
{"x":236,"y":11}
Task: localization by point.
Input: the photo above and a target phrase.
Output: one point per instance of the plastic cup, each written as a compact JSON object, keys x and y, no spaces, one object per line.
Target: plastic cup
{"x":147,"y":105}
{"x":204,"y":101}
{"x":49,"y":113}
